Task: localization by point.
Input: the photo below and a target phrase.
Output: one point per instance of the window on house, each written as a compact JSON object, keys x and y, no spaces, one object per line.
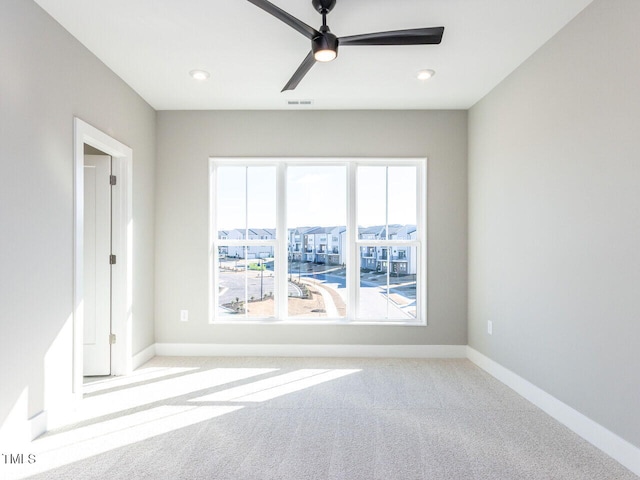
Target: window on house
{"x":318,"y":240}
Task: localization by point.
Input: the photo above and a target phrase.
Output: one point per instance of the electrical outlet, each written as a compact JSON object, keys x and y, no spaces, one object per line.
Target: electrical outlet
{"x":184,"y":315}
{"x":490,"y":327}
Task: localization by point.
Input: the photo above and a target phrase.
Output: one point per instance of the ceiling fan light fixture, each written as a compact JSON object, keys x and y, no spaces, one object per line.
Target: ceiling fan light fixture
{"x":325,"y":47}
{"x":426,"y":74}
{"x":325,"y":55}
{"x":199,"y":75}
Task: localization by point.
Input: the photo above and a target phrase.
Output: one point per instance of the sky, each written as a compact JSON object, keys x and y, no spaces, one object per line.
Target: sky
{"x":316,"y":196}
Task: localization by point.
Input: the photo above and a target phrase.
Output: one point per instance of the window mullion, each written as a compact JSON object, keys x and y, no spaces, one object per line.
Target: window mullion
{"x":246,"y":237}
{"x":213,"y":236}
{"x":421,"y":211}
{"x":282,"y":264}
{"x":353,"y":257}
{"x":386,"y":216}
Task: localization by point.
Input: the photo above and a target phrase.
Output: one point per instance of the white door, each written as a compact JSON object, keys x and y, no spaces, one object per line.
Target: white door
{"x":97,"y":268}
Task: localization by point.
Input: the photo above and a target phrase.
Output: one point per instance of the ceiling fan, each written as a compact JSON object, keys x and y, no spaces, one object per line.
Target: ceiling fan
{"x":324,"y":44}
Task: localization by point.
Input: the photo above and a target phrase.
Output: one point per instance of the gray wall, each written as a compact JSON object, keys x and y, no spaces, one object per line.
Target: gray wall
{"x":47,"y":78}
{"x":187,"y":139}
{"x":554,"y":210}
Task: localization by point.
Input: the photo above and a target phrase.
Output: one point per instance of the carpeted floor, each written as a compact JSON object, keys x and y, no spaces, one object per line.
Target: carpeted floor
{"x":294,"y":419}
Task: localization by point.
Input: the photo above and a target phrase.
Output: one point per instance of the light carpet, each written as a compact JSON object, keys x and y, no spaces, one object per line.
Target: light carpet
{"x":294,"y":419}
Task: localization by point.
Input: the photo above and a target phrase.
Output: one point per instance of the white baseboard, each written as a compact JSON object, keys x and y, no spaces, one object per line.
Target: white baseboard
{"x":144,"y":356}
{"x":39,"y":424}
{"x":248,"y":350}
{"x":15,"y":429}
{"x":17,"y":434}
{"x":611,"y":444}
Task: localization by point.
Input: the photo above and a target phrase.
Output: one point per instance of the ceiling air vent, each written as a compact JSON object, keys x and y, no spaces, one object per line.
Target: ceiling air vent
{"x":301,"y":103}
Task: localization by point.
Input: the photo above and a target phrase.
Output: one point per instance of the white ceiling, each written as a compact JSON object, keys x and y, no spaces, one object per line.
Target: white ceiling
{"x":153,"y":44}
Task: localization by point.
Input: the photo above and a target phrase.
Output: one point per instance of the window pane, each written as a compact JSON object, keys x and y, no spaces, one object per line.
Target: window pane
{"x":371,"y":185}
{"x":246,"y":282}
{"x":231,"y":202}
{"x":231,"y":289}
{"x":402,"y":202}
{"x":402,"y":283}
{"x":316,"y":231}
{"x":387,"y":289}
{"x":315,"y":291}
{"x":316,"y":196}
{"x":372,"y":303}
{"x":261,"y":287}
{"x":246,"y":199}
{"x":261,"y":198}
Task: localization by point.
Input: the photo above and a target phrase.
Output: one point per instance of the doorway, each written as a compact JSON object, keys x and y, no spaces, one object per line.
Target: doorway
{"x":119,"y":259}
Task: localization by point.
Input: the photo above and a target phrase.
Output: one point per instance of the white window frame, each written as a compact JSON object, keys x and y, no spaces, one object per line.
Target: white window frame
{"x":353,"y":244}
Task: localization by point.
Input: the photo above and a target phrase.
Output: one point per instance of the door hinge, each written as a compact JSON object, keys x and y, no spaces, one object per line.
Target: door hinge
{"x":112,"y":180}
{"x":112,"y":259}
{"x":112,"y":338}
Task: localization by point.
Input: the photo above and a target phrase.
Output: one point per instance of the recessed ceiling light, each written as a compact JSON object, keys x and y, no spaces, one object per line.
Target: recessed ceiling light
{"x":199,"y":74}
{"x":425,"y":74}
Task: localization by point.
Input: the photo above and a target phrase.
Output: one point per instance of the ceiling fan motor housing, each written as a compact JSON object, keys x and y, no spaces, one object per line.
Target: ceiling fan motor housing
{"x":323,"y":6}
{"x":325,"y":41}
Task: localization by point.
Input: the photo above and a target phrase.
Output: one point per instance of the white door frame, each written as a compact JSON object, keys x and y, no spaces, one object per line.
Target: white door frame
{"x":122,"y":242}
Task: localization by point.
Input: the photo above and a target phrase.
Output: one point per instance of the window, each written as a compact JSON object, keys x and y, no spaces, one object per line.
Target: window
{"x":246,"y":214}
{"x":318,"y":241}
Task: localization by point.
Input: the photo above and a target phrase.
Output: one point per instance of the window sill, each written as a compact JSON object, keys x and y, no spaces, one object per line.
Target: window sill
{"x":328,"y":322}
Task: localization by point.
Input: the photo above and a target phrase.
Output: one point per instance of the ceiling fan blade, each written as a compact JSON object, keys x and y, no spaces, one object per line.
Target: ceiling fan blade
{"x":287,"y":18}
{"x":302,"y":70}
{"x":416,"y":36}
